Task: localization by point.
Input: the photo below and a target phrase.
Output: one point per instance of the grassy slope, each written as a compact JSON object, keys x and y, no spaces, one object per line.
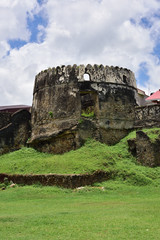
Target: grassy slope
{"x":92,"y":156}
{"x":119,"y":212}
{"x":152,"y":133}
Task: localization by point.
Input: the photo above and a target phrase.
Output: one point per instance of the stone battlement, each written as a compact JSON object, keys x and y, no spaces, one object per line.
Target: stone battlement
{"x":96,"y":73}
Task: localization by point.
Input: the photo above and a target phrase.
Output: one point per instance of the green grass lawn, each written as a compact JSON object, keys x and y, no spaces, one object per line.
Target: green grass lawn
{"x":119,"y":212}
{"x":127,"y":209}
{"x":92,"y":156}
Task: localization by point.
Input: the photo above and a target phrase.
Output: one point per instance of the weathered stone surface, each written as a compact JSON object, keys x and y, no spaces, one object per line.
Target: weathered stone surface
{"x":146,"y":151}
{"x":132,"y":146}
{"x":66,"y":180}
{"x":63,"y":99}
{"x":147,"y":116}
{"x":16,"y":133}
{"x":5,"y":119}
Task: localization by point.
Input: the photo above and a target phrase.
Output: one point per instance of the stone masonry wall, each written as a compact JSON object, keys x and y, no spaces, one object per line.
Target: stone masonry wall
{"x":63,"y":101}
{"x":147,"y":116}
{"x":15,"y":135}
{"x":145,"y":150}
{"x":5,"y":119}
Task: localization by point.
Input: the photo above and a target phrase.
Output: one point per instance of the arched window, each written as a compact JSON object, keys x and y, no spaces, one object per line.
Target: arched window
{"x":86,"y":77}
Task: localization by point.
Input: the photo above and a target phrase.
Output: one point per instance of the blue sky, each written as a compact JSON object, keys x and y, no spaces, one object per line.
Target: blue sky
{"x":32,"y":25}
{"x":37,"y":34}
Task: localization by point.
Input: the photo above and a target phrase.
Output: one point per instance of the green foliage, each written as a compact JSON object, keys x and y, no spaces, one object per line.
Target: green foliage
{"x":51,"y":114}
{"x":6,"y":181}
{"x":133,"y":178}
{"x":87,"y":159}
{"x":152,"y":133}
{"x":88,"y":112}
{"x":87,"y":115}
{"x":80,"y":120}
{"x":28,"y":140}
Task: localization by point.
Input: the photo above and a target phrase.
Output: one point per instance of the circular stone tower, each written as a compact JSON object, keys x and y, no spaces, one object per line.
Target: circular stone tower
{"x":73,"y":103}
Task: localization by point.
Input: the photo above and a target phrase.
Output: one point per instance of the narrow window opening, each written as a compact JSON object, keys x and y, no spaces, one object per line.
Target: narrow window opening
{"x":86,"y":77}
{"x":124,"y":79}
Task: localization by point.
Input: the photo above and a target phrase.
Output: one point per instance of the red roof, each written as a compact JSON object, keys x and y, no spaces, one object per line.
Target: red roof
{"x":154,"y":97}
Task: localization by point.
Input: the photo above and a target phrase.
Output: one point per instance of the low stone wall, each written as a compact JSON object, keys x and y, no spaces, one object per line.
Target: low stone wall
{"x":147,"y":116}
{"x":66,"y":181}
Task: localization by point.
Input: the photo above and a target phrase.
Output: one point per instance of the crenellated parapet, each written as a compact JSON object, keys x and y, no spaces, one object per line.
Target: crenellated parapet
{"x":73,"y":74}
{"x":72,"y":103}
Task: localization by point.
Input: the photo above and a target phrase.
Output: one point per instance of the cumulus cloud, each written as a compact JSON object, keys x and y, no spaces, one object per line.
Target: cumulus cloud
{"x":13,"y":19}
{"x":111,"y":32}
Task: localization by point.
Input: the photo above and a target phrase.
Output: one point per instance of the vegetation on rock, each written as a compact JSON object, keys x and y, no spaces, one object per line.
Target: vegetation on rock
{"x":89,"y":158}
{"x":116,"y":209}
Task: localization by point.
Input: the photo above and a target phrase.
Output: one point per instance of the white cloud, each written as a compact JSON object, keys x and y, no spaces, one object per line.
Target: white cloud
{"x":4,"y":48}
{"x":13,"y":18}
{"x":78,"y":31}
